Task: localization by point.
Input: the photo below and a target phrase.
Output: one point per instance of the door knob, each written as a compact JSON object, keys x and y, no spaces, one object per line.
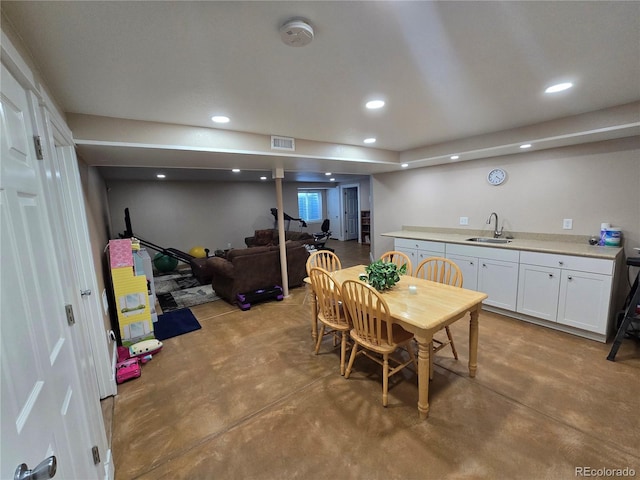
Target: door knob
{"x":45,"y":469}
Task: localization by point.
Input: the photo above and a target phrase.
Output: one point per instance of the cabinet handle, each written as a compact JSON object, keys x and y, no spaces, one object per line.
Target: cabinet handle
{"x":570,"y":278}
{"x":551,"y":275}
{"x":560,"y":263}
{"x":484,"y":265}
{"x":470,"y":263}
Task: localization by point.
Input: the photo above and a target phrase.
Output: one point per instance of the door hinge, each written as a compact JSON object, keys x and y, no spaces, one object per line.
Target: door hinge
{"x":96,"y":454}
{"x":70,"y":318}
{"x":38,"y":144}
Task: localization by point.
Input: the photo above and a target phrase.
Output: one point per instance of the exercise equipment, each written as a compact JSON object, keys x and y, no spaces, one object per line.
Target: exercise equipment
{"x":199,"y":252}
{"x":321,"y":238}
{"x":246,"y":299}
{"x":164,"y":263}
{"x":287,"y":218}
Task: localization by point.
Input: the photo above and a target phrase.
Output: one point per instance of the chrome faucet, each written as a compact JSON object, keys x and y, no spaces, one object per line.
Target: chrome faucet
{"x":496,"y":233}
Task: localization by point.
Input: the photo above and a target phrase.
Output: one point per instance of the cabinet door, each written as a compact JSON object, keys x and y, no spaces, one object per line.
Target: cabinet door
{"x":422,"y":254}
{"x":499,"y":280}
{"x":469,"y":268}
{"x":538,"y":289}
{"x":411,"y":253}
{"x":584,"y":300}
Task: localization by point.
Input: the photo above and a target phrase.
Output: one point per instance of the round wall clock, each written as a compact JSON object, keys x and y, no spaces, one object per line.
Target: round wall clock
{"x":496,"y":176}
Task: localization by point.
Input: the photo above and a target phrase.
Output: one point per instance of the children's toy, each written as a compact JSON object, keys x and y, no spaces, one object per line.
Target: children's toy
{"x":127,"y":370}
{"x":246,"y":299}
{"x":144,"y":348}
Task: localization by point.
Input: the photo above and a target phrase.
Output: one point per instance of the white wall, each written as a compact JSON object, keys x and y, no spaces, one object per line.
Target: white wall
{"x":590,"y":183}
{"x":211,"y":214}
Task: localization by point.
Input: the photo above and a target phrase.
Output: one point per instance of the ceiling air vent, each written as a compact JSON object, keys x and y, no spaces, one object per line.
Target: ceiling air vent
{"x":283,"y":143}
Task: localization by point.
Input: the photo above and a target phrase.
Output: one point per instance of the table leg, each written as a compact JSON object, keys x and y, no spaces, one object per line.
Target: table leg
{"x":473,"y":342}
{"x":425,"y":348}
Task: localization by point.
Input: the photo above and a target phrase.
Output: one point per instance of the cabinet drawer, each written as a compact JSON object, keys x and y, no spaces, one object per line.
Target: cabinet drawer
{"x":506,"y":255}
{"x":568,"y":262}
{"x":419,"y":245}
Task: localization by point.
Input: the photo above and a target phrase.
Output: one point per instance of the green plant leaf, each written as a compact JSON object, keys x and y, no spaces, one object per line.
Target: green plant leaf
{"x":384,"y":275}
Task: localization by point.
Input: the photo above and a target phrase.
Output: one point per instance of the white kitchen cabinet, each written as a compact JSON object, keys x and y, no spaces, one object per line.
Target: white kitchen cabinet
{"x":538,"y":289}
{"x":584,"y":300}
{"x":493,"y":271}
{"x":569,"y":290}
{"x":418,"y":250}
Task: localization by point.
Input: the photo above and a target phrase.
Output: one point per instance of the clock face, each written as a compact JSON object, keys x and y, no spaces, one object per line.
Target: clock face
{"x":496,"y":176}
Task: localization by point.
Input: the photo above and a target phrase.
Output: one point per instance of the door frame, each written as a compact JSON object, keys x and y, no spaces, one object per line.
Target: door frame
{"x":343,"y":206}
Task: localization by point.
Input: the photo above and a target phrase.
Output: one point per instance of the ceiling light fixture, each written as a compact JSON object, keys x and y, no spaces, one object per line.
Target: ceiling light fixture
{"x":559,"y":87}
{"x":369,"y":140}
{"x":296,"y":33}
{"x":235,"y":170}
{"x":328,"y":173}
{"x":454,"y":157}
{"x":220,"y":119}
{"x":374,"y":104}
{"x":404,"y":165}
{"x":525,"y":145}
{"x":263,"y":178}
{"x":161,"y":175}
{"x":332,"y":179}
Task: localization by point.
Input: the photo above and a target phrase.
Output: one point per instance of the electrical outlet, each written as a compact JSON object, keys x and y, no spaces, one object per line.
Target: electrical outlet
{"x":464,"y":220}
{"x":567,"y":224}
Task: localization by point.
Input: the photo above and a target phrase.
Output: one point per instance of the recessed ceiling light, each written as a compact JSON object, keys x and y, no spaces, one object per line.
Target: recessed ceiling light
{"x":559,"y":87}
{"x":263,"y":178}
{"x":373,"y":104}
{"x":454,"y":157}
{"x":328,"y":174}
{"x":369,"y":140}
{"x":332,"y":179}
{"x":161,"y":175}
{"x":525,"y":145}
{"x":220,"y":119}
{"x":235,"y":170}
{"x":404,"y":165}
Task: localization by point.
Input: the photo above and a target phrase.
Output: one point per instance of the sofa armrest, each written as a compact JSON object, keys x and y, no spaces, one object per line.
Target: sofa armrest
{"x":221,"y":267}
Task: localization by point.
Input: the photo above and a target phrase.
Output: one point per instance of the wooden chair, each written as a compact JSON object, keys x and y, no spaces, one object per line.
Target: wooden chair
{"x":330,"y":311}
{"x":374,"y":331}
{"x":323,"y":259}
{"x":398,"y":258}
{"x":441,"y":270}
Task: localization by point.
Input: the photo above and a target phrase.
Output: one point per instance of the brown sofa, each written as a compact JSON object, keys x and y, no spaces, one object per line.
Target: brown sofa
{"x":268,"y":237}
{"x":248,"y":269}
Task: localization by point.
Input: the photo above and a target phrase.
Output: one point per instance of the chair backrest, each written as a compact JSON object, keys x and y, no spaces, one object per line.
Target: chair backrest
{"x":324,"y":259}
{"x":398,"y":258}
{"x":440,"y":269}
{"x":368,"y":313}
{"x":328,"y":296}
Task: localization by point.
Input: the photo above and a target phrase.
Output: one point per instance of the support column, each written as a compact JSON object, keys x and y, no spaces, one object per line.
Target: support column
{"x":278,"y":175}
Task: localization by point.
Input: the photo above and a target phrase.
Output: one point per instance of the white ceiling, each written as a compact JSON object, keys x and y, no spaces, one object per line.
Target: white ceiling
{"x":447,"y":70}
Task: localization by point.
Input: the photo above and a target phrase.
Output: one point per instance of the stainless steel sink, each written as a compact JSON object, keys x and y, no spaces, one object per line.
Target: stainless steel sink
{"x":488,"y":240}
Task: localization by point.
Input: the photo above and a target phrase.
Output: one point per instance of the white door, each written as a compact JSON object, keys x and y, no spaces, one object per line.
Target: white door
{"x":351,"y":213}
{"x":42,"y":406}
{"x":333,"y":212}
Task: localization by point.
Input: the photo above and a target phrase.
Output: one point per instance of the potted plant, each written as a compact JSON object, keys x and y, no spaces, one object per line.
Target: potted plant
{"x":383,"y":275}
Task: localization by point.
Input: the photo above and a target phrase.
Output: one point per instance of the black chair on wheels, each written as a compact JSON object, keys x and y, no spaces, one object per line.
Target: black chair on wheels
{"x":321,"y":238}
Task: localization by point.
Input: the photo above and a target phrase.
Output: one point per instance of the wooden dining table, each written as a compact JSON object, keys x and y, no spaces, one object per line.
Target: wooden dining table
{"x":422,"y":307}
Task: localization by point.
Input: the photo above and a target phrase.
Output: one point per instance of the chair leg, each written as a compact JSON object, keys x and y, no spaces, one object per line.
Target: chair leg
{"x":343,"y":352}
{"x":385,"y":380}
{"x":354,"y":351}
{"x":320,"y":337}
{"x":453,"y":347}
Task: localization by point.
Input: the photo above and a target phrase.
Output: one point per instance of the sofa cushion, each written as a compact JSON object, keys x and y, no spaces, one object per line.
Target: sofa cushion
{"x":263,"y":237}
{"x":239,"y":252}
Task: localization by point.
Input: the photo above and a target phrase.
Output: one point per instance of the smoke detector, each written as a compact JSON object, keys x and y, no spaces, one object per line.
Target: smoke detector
{"x":296,"y":33}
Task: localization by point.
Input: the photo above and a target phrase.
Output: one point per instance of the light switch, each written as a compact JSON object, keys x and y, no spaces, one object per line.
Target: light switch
{"x":567,"y":224}
{"x":464,"y":220}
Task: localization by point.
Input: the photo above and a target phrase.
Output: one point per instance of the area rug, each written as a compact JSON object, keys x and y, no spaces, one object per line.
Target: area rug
{"x":181,"y":290}
{"x":175,"y":323}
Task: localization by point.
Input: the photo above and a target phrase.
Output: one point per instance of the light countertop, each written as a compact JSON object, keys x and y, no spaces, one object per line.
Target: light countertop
{"x":560,"y":244}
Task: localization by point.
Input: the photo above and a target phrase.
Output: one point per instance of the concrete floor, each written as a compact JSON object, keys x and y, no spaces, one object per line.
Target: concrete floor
{"x":246,"y":398}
